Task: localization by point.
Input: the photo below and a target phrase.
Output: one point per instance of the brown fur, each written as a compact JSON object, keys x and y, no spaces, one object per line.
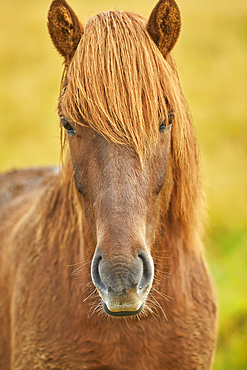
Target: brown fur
{"x":131,"y":183}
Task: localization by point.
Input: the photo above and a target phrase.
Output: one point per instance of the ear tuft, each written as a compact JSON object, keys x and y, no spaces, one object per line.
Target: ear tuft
{"x":164,"y":25}
{"x":64,"y":28}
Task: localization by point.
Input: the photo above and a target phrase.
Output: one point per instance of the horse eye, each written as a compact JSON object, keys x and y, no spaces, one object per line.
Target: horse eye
{"x":68,"y":128}
{"x":163,"y":126}
{"x":170,"y":118}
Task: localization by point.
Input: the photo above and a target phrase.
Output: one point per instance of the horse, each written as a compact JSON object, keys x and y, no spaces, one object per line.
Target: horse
{"x":102,"y":262}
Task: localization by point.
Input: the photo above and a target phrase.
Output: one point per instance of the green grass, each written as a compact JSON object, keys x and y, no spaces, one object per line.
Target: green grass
{"x":211,"y":56}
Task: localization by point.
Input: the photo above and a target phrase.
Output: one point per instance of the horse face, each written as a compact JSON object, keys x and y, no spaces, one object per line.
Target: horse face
{"x":121,"y":198}
{"x":121,"y":202}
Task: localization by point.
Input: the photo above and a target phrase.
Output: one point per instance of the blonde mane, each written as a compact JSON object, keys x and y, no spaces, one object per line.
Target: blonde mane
{"x":118,"y":82}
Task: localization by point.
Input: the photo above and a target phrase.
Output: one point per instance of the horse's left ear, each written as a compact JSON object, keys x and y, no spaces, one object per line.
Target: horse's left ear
{"x":164,"y":25}
{"x":64,"y":28}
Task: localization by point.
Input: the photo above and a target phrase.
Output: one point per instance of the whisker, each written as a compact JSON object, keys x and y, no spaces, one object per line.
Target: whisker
{"x":126,"y":321}
{"x":87,"y":286}
{"x":79,"y":269}
{"x":161,"y":257}
{"x":163,"y":272}
{"x":74,"y":264}
{"x":160,"y":274}
{"x":152,"y":309}
{"x":163,"y":295}
{"x":92,"y":311}
{"x":90,"y":295}
{"x":161,"y":264}
{"x":159,"y":306}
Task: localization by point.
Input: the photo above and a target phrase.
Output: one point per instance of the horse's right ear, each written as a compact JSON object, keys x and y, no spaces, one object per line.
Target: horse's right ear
{"x":64,"y":28}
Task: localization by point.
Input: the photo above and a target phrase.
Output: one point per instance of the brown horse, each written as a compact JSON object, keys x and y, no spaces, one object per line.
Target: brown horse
{"x":123,"y":216}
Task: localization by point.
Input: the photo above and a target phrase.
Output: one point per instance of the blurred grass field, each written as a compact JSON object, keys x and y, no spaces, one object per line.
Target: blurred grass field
{"x":211,"y":56}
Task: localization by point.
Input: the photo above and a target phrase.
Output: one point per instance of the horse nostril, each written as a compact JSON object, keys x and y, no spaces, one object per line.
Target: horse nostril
{"x":148,"y":271}
{"x":98,"y":258}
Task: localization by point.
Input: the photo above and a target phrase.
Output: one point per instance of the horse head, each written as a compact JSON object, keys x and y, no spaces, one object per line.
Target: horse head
{"x":118,"y":112}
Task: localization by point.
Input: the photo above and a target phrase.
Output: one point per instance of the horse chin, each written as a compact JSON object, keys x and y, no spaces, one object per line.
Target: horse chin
{"x":122,"y":313}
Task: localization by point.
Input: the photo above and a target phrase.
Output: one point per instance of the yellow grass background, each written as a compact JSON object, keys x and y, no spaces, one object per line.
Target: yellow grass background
{"x":212,"y":60}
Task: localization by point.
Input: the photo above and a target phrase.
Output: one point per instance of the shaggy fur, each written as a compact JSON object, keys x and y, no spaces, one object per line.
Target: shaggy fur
{"x":121,"y":182}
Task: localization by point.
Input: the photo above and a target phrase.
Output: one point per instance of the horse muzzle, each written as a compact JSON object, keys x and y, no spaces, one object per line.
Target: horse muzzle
{"x":123,"y":282}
